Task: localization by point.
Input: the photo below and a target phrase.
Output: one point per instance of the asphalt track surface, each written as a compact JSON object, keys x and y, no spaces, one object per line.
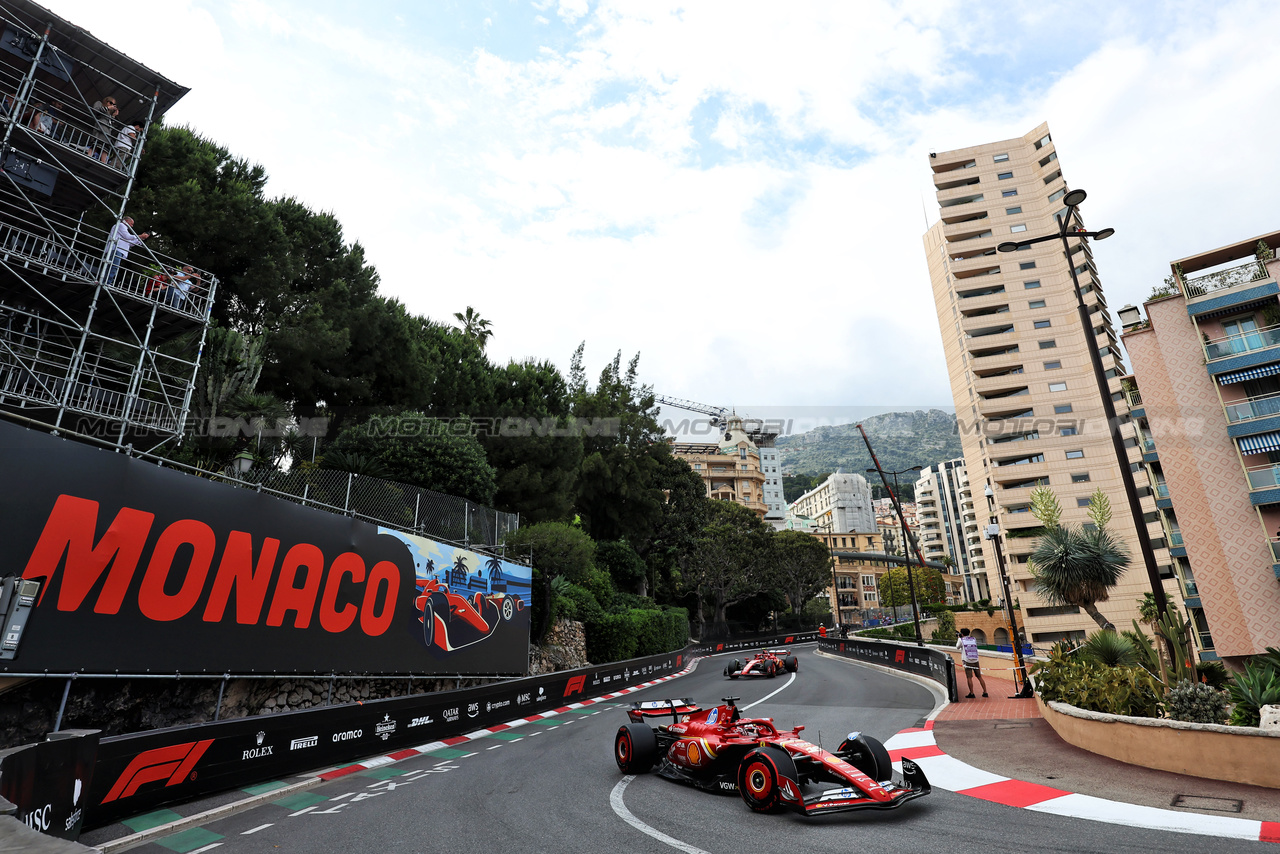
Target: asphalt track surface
{"x":553,"y":786}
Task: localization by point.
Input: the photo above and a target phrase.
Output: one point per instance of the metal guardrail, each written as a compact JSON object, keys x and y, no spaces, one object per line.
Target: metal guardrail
{"x":1250,"y":271}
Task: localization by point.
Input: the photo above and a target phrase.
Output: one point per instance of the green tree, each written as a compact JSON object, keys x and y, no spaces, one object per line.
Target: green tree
{"x":531,"y":442}
{"x":895,"y":588}
{"x":1076,"y":566}
{"x":801,"y":567}
{"x":683,"y":515}
{"x":730,"y":562}
{"x":474,"y":326}
{"x":416,"y":451}
{"x":624,"y":565}
{"x":563,"y":558}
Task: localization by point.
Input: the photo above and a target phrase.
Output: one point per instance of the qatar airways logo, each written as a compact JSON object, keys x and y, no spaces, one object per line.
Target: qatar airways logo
{"x":182,"y":579}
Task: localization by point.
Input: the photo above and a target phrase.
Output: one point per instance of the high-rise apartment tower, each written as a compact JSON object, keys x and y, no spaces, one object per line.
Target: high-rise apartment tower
{"x":1027,"y":400}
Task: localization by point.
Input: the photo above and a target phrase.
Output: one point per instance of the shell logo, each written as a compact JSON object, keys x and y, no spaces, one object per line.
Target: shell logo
{"x":695,"y":755}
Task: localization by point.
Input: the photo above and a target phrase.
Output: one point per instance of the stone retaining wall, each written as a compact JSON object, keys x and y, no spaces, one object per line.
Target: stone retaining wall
{"x":1234,"y":753}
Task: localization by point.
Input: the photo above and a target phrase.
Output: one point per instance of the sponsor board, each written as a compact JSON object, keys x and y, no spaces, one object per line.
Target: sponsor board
{"x":304,"y":743}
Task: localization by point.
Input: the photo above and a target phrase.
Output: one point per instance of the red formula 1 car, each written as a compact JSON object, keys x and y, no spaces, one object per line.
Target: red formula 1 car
{"x":766,"y":662}
{"x":718,"y":750}
{"x":451,"y":621}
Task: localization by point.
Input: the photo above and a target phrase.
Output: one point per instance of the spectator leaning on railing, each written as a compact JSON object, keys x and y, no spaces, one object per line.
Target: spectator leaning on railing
{"x":124,"y":239}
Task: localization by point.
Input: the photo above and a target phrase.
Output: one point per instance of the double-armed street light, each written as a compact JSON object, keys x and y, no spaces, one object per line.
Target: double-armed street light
{"x":907,"y":544}
{"x":992,"y":532}
{"x":1066,"y":231}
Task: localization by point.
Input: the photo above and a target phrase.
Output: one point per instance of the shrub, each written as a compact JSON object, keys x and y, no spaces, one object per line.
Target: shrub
{"x":1256,"y":687}
{"x":946,"y":630}
{"x":1109,"y":648}
{"x":1197,"y":703}
{"x":1070,"y":678}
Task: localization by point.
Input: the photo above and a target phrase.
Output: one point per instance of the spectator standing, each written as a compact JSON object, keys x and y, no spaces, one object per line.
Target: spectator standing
{"x":968,"y":647}
{"x":124,"y":239}
{"x":125,"y":141}
{"x":105,"y":113}
{"x":181,"y":285}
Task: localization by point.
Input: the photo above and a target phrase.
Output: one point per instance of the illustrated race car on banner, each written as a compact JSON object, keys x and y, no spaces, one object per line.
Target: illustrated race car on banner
{"x":718,"y":750}
{"x":767,"y":662}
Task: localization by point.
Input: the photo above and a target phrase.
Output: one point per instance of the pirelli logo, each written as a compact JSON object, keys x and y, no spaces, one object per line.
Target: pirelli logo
{"x":173,"y":764}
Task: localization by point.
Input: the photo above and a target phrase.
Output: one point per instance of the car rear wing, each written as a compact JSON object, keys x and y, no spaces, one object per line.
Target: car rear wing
{"x":658,"y":708}
{"x":781,"y":652}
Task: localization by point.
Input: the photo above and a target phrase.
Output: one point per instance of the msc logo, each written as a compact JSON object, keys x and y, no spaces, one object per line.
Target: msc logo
{"x":174,"y":762}
{"x":576,"y":685}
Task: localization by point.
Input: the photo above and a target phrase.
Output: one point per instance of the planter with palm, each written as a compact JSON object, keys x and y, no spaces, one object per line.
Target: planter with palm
{"x":1076,"y":566}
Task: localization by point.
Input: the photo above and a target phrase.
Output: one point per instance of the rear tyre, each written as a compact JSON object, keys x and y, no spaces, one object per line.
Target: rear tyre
{"x":773,"y":670}
{"x":762,"y":775}
{"x":868,"y":756}
{"x":635,"y":748}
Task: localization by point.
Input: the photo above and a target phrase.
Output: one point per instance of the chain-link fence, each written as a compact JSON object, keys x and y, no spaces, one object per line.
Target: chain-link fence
{"x":385,"y":502}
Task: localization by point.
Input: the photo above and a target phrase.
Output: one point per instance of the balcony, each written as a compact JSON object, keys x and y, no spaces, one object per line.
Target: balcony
{"x":1263,"y":477}
{"x":1161,"y":490}
{"x":1243,"y":342}
{"x":1253,"y":407}
{"x":1241,"y":274}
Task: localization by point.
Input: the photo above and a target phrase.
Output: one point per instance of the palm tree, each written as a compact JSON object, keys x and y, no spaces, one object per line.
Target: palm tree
{"x":474,"y":326}
{"x":1076,"y":566}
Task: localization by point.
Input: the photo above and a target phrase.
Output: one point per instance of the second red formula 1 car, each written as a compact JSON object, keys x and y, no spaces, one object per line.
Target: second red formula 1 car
{"x":766,"y":662}
{"x":719,"y":750}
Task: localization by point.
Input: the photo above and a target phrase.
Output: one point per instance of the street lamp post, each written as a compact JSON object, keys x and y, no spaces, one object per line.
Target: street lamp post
{"x":993,"y":534}
{"x":1073,"y":200}
{"x":906,"y":546}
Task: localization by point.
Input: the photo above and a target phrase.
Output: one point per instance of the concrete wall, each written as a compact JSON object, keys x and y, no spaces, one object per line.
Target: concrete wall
{"x":1240,"y":754}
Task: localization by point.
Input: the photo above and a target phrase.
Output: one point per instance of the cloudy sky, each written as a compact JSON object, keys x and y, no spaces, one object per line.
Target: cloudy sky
{"x":735,"y":190}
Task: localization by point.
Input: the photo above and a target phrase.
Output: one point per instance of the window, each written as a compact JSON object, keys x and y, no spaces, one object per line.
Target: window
{"x":1057,"y":386}
{"x":1004,"y":176}
{"x":1052,"y":366}
{"x":1062,"y":409}
{"x":1017,"y":228}
{"x":1012,"y":211}
{"x":1082,"y":502}
{"x":1007,"y":193}
{"x":1074,"y":455}
{"x":1058,"y":195}
{"x":1036,"y":303}
{"x":1000,"y":158}
{"x":1080,"y":478}
{"x":1031,"y":285}
{"x":1043,"y":324}
{"x":1067,"y":431}
{"x":1048,"y":345}
{"x":1027,"y":265}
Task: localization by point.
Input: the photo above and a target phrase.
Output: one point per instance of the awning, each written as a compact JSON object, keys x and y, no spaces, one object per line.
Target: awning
{"x":1260,"y":444}
{"x":1249,"y":374}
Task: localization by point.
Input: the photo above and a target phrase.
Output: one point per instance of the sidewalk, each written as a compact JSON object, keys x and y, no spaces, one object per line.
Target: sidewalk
{"x":1008,"y":738}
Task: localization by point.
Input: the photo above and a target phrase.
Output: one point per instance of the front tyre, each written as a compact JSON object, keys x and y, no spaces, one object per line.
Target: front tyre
{"x":869,"y":756}
{"x":767,"y":779}
{"x":635,"y":748}
{"x":792,"y":664}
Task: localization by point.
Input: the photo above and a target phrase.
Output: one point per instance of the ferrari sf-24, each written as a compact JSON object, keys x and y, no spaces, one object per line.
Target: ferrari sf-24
{"x":766,"y":662}
{"x":719,"y":750}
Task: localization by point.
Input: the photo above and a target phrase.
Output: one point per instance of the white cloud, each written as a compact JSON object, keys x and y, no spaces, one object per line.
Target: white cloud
{"x":735,"y":190}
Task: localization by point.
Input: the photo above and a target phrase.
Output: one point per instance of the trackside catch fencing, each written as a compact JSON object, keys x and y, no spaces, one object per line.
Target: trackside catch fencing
{"x":909,"y":658}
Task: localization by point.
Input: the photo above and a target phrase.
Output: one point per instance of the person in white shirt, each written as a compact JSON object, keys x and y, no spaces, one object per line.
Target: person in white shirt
{"x":968,"y":647}
{"x":124,"y":239}
{"x":124,"y":143}
{"x":181,"y":284}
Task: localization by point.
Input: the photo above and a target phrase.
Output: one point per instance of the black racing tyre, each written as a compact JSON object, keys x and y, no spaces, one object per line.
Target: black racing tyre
{"x":868,"y":755}
{"x":760,"y":776}
{"x":772,"y":670}
{"x":635,"y":748}
{"x":792,"y":664}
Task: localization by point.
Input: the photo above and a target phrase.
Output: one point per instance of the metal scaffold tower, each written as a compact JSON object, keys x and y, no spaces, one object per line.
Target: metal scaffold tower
{"x":89,"y":340}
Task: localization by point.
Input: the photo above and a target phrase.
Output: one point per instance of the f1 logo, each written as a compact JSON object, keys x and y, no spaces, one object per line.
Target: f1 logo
{"x":173,"y":762}
{"x":575,"y":685}
{"x":900,"y":656}
{"x":719,"y":647}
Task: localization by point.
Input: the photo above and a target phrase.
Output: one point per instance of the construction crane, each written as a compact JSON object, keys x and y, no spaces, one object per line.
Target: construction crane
{"x":760,"y":437}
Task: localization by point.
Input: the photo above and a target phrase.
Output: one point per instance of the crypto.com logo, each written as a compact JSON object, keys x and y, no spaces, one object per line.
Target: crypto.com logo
{"x":174,"y":762}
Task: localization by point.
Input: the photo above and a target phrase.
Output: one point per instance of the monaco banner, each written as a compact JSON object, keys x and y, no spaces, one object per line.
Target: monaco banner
{"x":144,"y":569}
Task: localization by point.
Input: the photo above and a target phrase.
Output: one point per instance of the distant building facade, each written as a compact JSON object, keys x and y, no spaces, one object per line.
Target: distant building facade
{"x":948,"y":524}
{"x":731,"y":470}
{"x":841,"y":503}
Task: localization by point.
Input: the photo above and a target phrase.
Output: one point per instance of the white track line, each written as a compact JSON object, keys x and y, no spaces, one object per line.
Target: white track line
{"x":771,"y":693}
{"x":615,"y":800}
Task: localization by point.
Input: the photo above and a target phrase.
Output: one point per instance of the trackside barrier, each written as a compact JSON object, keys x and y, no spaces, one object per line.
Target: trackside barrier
{"x":922,"y":661}
{"x":782,"y":639}
{"x":139,"y":772}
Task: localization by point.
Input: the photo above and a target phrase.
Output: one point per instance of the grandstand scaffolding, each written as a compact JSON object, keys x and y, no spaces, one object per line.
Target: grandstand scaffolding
{"x":103,"y":346}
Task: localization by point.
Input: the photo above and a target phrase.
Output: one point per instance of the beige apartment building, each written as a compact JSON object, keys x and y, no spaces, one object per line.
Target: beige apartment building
{"x":949,"y":526}
{"x":1026,"y":397}
{"x":1206,"y":403}
{"x":731,"y":470}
